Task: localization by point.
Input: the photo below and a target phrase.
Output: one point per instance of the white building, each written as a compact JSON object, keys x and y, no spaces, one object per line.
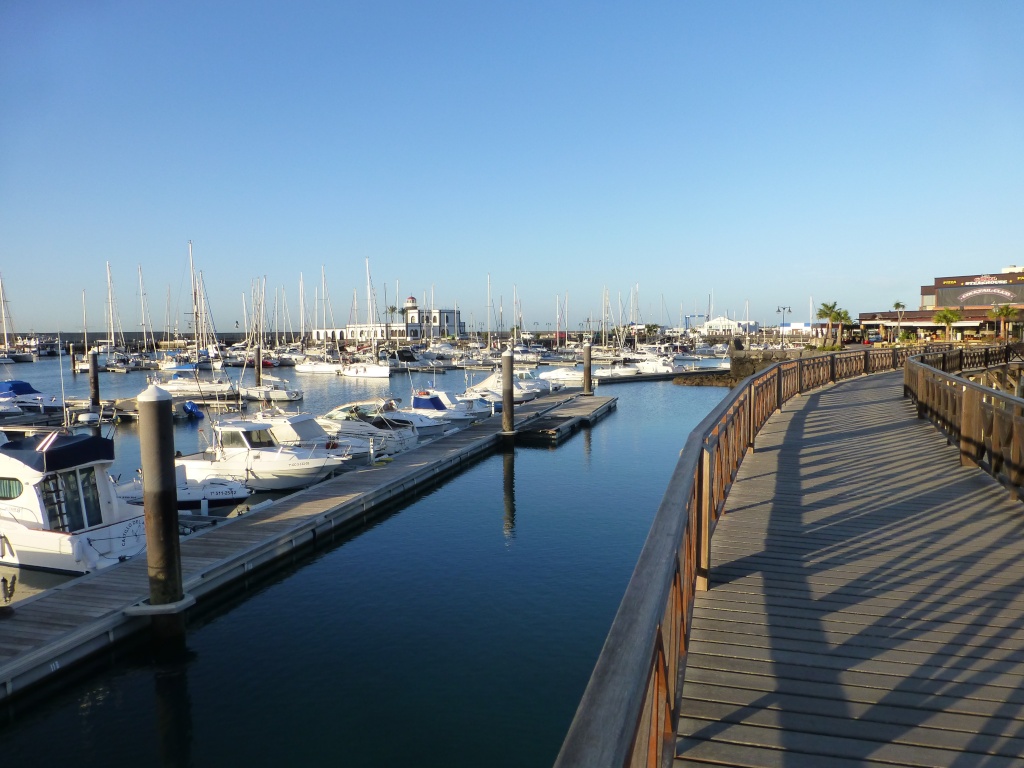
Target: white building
{"x":414,"y":324}
{"x":723,"y":326}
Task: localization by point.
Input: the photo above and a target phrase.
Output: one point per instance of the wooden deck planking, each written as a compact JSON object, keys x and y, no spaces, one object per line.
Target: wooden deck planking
{"x":865,"y":604}
{"x":47,"y":631}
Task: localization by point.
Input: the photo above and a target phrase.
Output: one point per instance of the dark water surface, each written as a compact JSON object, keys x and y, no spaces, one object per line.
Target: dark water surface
{"x":458,"y":631}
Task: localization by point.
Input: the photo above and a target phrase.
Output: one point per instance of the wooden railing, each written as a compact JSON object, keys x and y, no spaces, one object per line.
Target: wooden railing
{"x":630,"y":708}
{"x":986,"y":423}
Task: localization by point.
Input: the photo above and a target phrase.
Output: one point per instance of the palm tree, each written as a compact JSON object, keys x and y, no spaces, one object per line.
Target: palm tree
{"x":1002,"y":313}
{"x":947,"y":317}
{"x":898,"y":306}
{"x":827,"y":312}
{"x":842,"y":317}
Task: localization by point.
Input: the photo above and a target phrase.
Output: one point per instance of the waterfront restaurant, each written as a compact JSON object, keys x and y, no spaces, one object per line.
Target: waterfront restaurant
{"x":973,"y":296}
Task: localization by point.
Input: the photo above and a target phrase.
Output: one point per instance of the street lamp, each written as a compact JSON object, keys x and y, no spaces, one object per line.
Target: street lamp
{"x":782,"y":326}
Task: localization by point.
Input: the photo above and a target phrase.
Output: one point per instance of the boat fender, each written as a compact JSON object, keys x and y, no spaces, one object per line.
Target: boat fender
{"x":192,"y":410}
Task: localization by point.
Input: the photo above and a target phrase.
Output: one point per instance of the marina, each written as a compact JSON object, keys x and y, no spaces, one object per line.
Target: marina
{"x":506,"y":532}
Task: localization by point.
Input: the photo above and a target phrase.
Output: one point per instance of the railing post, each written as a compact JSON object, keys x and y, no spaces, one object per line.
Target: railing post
{"x":895,"y":359}
{"x":778,"y":375}
{"x":751,"y":427}
{"x":832,"y":367}
{"x":970,"y":427}
{"x":867,"y":361}
{"x":800,"y":375}
{"x":704,"y":481}
{"x":921,"y":396}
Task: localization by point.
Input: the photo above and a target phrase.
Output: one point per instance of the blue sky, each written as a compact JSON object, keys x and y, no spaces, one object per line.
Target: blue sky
{"x":768,"y":153}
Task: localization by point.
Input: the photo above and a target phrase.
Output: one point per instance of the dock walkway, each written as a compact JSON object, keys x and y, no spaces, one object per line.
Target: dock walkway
{"x":866,"y":604}
{"x":46,"y":633}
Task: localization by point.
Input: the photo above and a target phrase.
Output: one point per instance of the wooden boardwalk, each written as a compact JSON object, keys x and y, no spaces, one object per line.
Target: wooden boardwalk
{"x":867,"y":599}
{"x":44,"y":634}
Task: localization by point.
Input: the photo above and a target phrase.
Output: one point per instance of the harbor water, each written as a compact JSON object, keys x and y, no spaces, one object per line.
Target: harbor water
{"x":459,"y":630}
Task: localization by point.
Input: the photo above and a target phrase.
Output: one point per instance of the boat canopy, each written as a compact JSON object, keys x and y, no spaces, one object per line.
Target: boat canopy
{"x":53,"y":452}
{"x":16,"y":387}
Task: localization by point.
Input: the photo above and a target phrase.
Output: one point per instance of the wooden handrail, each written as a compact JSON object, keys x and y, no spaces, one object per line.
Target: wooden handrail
{"x":630,"y":708}
{"x":986,"y":423}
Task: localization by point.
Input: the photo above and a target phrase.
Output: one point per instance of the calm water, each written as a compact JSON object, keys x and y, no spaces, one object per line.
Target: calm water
{"x":458,"y":631}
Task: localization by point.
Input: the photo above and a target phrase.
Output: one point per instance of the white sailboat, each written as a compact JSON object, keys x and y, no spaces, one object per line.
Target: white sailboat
{"x":370,"y":369}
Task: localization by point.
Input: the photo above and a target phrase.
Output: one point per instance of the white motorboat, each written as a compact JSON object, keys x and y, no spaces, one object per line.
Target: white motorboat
{"x":192,"y":494}
{"x":525,"y":387}
{"x":567,"y":377}
{"x":319,"y":366}
{"x":614,"y":372}
{"x":365,"y":371}
{"x":303,"y":430}
{"x":661,"y":365}
{"x":272,"y":389}
{"x":459,"y":412}
{"x":193,"y":386}
{"x":247,"y":451}
{"x":363,"y":419}
{"x":58,"y":509}
{"x":426,"y":427}
{"x":28,"y":398}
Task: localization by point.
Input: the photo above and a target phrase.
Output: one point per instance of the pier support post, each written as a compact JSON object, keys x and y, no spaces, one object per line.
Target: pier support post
{"x":508,"y":424}
{"x":71,"y":356}
{"x":588,"y":388}
{"x":160,"y":501}
{"x":259,"y":365}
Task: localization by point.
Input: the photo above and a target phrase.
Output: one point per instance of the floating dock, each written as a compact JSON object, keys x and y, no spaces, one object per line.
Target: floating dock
{"x":556,"y":427}
{"x":48,"y":632}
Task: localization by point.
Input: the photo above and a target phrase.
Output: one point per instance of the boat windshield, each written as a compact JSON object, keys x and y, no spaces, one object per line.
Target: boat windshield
{"x":72,"y":500}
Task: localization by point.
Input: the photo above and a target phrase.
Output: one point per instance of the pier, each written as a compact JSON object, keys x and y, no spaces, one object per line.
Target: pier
{"x":858,"y":602}
{"x":44,"y":635}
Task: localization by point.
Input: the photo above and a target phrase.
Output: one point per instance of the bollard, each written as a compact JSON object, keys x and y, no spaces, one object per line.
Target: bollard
{"x":160,"y":502}
{"x":508,"y":423}
{"x":588,"y":388}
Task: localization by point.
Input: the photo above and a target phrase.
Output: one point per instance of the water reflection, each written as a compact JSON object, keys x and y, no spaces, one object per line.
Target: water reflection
{"x":17,"y":584}
{"x":173,"y":708}
{"x":508,"y":469}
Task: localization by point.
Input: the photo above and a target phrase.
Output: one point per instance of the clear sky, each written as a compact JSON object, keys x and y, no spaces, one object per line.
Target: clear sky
{"x":769,"y":153}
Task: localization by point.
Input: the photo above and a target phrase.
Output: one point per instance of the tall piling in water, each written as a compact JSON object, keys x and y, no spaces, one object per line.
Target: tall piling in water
{"x":588,"y":388}
{"x":508,"y":423}
{"x":160,"y":502}
{"x":94,"y":382}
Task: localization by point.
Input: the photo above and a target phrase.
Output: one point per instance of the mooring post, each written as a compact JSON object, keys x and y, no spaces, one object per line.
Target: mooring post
{"x":94,"y":382}
{"x":588,"y":388}
{"x":167,"y":599}
{"x":508,"y":424}
{"x":258,"y":369}
{"x":71,"y":356}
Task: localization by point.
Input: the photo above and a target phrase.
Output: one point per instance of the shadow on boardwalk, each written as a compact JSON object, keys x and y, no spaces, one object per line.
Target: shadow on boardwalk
{"x":867,"y":600}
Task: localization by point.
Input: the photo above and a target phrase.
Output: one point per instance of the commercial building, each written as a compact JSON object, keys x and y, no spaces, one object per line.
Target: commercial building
{"x":972,"y":296}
